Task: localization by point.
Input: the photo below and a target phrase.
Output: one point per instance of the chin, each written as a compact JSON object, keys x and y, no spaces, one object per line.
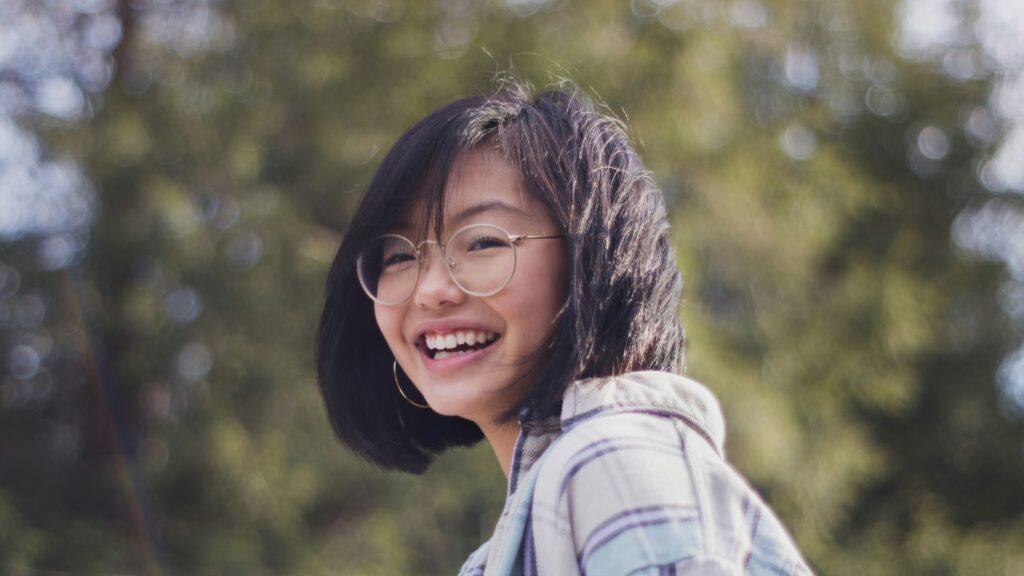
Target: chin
{"x":450,"y":402}
{"x":446,"y":405}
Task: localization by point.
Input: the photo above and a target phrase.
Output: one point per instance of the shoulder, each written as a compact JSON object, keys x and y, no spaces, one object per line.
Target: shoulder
{"x":615,"y":464}
{"x":632,"y":490}
{"x":620,"y":451}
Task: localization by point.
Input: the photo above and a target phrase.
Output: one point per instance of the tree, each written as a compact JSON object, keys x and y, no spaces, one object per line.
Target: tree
{"x":817,"y":172}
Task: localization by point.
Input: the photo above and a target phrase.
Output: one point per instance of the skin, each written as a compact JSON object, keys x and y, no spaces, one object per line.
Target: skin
{"x":522,"y":313}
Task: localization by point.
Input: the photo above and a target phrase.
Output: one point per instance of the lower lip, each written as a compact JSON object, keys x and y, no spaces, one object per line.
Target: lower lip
{"x":457,"y":363}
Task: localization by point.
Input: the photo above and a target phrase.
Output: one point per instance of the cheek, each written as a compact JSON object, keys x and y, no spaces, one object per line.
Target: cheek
{"x":539,"y":294}
{"x":390,"y":324}
{"x":550,"y":275}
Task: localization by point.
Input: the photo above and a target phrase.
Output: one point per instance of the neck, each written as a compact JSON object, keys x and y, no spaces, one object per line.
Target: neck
{"x":503,"y":441}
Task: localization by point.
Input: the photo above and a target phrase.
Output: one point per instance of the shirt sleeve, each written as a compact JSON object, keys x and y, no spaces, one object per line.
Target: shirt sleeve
{"x":631,"y":494}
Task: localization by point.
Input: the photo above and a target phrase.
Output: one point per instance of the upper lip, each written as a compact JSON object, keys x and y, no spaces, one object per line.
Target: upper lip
{"x":450,"y":325}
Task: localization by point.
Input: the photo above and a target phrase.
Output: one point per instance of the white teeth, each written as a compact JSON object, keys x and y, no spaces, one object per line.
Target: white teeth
{"x":445,"y":354}
{"x":451,"y":340}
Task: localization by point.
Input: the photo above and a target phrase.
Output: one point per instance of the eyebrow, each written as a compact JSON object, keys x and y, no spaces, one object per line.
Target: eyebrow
{"x":487,"y":207}
{"x":468,"y":213}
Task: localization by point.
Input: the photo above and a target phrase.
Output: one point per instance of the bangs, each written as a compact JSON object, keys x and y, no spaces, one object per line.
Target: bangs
{"x":425,"y":160}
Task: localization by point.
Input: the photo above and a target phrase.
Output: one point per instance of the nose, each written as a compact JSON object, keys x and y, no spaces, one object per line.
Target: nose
{"x":436,"y":289}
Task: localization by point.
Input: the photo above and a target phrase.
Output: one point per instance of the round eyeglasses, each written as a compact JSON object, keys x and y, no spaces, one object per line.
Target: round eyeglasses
{"x":480,"y":258}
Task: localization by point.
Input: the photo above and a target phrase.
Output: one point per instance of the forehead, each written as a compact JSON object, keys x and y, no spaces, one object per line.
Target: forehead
{"x":485,"y":176}
{"x":482,"y":187}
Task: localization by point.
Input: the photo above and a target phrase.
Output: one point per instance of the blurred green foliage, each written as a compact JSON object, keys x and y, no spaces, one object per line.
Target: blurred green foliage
{"x":852,"y":345}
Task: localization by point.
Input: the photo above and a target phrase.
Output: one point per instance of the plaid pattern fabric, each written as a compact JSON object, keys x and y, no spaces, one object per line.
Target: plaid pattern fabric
{"x":632,"y":479}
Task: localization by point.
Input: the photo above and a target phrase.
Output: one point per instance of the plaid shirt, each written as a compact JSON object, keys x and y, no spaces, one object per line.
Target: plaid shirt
{"x":631,"y":479}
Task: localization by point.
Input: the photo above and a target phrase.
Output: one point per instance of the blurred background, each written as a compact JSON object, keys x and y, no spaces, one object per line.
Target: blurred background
{"x":846,"y":183}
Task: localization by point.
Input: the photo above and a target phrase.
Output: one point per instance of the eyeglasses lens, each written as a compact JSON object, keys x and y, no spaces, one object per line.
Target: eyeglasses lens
{"x":387,"y":266}
{"x":480,"y":258}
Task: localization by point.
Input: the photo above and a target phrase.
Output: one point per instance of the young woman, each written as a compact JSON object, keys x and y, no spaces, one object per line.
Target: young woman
{"x":508,"y":275}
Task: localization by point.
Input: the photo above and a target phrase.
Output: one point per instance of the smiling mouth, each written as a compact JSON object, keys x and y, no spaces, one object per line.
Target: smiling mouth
{"x":455,"y":344}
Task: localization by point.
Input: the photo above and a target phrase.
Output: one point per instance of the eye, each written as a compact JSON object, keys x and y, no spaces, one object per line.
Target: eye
{"x":397,"y":258}
{"x":485,"y":242}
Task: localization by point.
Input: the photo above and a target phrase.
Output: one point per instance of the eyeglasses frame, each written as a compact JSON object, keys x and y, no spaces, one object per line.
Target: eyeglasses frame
{"x":515,"y":239}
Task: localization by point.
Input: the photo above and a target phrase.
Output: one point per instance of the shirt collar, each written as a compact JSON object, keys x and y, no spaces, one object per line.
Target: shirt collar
{"x":651,"y":392}
{"x":662,"y":393}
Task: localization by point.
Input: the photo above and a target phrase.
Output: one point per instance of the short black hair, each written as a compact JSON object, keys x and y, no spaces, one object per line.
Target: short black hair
{"x":624,"y":286}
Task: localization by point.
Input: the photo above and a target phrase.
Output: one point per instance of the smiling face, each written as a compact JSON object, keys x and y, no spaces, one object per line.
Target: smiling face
{"x":436,"y":333}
